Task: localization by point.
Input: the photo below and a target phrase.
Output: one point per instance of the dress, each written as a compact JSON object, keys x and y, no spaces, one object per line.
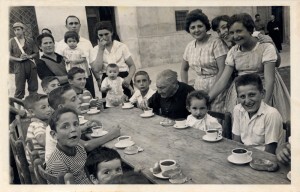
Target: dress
{"x":116,"y":92}
{"x":204,"y":124}
{"x":252,"y":62}
{"x":75,"y":54}
{"x":202,"y":59}
{"x":263,"y":128}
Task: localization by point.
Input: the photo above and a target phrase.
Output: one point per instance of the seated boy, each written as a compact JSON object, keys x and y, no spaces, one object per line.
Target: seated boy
{"x":197,"y":105}
{"x":103,"y":164}
{"x":49,"y":83}
{"x":69,"y":156}
{"x":254,"y":122}
{"x":37,"y":105}
{"x":144,"y":92}
{"x":77,"y":80}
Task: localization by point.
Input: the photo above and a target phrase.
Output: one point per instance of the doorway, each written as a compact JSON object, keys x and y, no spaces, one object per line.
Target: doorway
{"x":277,"y":11}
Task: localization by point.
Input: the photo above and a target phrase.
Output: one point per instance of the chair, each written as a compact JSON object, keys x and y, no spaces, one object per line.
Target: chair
{"x":18,"y":130}
{"x":43,"y":176}
{"x":20,"y":158}
{"x":225,"y":121}
{"x":287,"y":128}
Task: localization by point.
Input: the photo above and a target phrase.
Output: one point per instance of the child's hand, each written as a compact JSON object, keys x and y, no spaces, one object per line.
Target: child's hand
{"x":264,"y":38}
{"x":24,"y":56}
{"x":90,"y":124}
{"x":96,"y":103}
{"x":108,"y":87}
{"x":144,"y":104}
{"x":22,"y":113}
{"x":124,"y":98}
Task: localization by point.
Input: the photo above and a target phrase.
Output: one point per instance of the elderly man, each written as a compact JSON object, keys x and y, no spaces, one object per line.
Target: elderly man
{"x":170,"y":97}
{"x":73,"y":24}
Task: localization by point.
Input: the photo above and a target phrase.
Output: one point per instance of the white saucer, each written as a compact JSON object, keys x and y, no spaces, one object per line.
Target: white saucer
{"x":93,"y":112}
{"x":289,"y":176}
{"x":83,"y":121}
{"x":234,"y":161}
{"x":144,"y":115}
{"x":158,"y":175}
{"x":130,"y":107}
{"x":99,"y":134}
{"x":124,"y":144}
{"x":205,"y":138}
{"x":180,"y":127}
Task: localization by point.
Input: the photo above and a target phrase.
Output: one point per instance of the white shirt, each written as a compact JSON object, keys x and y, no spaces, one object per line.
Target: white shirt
{"x":138,"y":98}
{"x":204,"y":124}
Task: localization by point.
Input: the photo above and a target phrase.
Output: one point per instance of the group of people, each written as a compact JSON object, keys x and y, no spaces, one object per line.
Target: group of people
{"x":236,"y":72}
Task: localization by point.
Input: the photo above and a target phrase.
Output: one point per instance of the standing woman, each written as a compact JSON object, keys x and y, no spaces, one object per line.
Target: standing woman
{"x":110,"y":50}
{"x":205,"y":54}
{"x":251,"y":56}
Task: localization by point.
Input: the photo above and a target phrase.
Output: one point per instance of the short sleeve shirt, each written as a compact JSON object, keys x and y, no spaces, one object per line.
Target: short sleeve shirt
{"x":204,"y":124}
{"x":138,"y":98}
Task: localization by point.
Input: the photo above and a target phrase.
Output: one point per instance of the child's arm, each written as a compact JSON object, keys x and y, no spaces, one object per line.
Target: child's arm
{"x":105,"y":86}
{"x":79,"y":61}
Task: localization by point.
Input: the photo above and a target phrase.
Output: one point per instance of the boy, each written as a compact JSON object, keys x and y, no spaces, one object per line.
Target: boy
{"x":142,"y":82}
{"x":197,"y":104}
{"x":112,"y":84}
{"x":254,"y":122}
{"x":22,"y":51}
{"x":38,"y":106}
{"x":49,"y":83}
{"x":103,"y":164}
{"x":73,"y":55}
{"x":68,"y":156}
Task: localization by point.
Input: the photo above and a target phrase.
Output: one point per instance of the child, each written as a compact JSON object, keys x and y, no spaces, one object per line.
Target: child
{"x":73,"y":55}
{"x":68,"y":156}
{"x":142,"y":82}
{"x":130,"y":177}
{"x":38,"y":106}
{"x":197,"y":104}
{"x":49,"y":83}
{"x":254,"y":122}
{"x":77,"y":80}
{"x":112,"y":84}
{"x":103,"y":164}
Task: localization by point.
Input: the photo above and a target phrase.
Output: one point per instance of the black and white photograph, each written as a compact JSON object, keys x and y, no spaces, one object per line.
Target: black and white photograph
{"x":154,"y":97}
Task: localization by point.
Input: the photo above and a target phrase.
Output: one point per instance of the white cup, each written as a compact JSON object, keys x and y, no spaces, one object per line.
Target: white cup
{"x":127,"y":104}
{"x":241,"y":154}
{"x":148,"y":111}
{"x":97,"y":129}
{"x":93,"y":109}
{"x":86,"y":99}
{"x":84,"y":106}
{"x":124,"y":138}
{"x":81,"y":118}
{"x":213,"y":133}
{"x":167,"y":164}
{"x":180,"y":123}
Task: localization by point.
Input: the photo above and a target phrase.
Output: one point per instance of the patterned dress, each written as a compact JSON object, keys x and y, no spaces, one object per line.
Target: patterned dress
{"x":253,"y":62}
{"x":202,"y":58}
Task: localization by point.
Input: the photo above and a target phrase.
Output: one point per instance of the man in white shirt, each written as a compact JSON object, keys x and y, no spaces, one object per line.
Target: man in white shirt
{"x":73,"y":24}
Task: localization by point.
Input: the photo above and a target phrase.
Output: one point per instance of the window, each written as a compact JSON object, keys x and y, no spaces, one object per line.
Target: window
{"x":180,"y":19}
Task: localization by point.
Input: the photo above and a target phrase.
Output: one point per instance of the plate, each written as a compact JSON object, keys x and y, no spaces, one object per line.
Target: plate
{"x":144,"y":115}
{"x":158,"y":175}
{"x":205,"y":138}
{"x":180,"y":127}
{"x":289,"y":176}
{"x":93,"y":112}
{"x":123,"y":144}
{"x":129,"y":107}
{"x":99,"y":134}
{"x":234,"y":161}
{"x":83,"y":121}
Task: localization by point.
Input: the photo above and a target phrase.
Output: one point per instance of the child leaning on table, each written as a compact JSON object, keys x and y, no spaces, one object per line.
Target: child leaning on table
{"x":112,"y":84}
{"x":144,"y":92}
{"x":73,"y":55}
{"x":197,"y":104}
{"x":69,"y":156}
{"x":77,"y":80}
{"x":103,"y":164}
{"x":37,"y":105}
{"x":254,"y":122}
{"x":49,"y":83}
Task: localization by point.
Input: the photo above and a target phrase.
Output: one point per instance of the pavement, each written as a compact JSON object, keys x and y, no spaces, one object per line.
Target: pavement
{"x":284,"y":71}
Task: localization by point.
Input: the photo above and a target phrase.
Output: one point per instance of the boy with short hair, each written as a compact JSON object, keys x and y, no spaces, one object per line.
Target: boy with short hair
{"x":254,"y":122}
{"x":68,"y":156}
{"x":144,"y":92}
{"x":49,"y":83}
{"x":103,"y":164}
{"x":38,"y":106}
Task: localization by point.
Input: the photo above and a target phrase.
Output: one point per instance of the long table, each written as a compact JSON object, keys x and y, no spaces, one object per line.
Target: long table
{"x":202,"y":162}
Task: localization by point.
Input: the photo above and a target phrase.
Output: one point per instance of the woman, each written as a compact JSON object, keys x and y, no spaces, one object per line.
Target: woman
{"x":51,"y":63}
{"x":251,"y":56}
{"x":110,"y":50}
{"x":206,"y":55}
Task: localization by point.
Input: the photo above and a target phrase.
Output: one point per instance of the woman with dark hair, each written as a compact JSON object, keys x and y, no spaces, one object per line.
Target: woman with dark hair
{"x":251,"y":56}
{"x":219,"y":24}
{"x":205,"y":54}
{"x":110,"y":50}
{"x":51,"y":63}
